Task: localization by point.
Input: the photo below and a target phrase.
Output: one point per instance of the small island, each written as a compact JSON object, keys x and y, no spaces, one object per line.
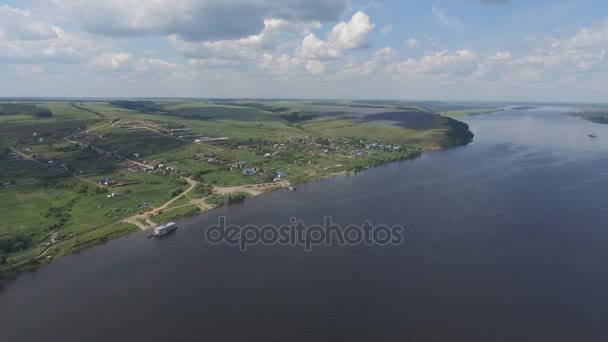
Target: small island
{"x":78,"y":173}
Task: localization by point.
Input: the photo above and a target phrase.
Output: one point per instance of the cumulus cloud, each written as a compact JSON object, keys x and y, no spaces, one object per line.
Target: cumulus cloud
{"x":112,"y":61}
{"x":17,"y":24}
{"x":585,"y":38}
{"x":274,"y":34}
{"x":193,"y":20}
{"x":315,"y":67}
{"x":27,"y":38}
{"x":579,"y":56}
{"x":351,"y":34}
{"x":344,"y":36}
{"x":280,"y":65}
{"x":442,"y":62}
{"x":314,"y":48}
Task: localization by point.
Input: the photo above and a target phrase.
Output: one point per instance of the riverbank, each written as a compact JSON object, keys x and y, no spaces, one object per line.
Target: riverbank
{"x":112,"y":171}
{"x":147,"y":220}
{"x":594,"y":115}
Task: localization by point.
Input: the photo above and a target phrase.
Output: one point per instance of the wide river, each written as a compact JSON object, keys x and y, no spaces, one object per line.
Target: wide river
{"x":506,"y":239}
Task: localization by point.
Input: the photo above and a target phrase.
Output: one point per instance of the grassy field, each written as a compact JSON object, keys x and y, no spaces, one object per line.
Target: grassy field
{"x":86,"y":168}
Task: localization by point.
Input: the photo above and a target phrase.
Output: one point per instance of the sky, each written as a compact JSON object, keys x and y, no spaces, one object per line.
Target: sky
{"x":488,"y":50}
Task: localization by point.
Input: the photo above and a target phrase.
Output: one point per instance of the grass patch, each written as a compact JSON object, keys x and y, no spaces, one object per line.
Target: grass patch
{"x":173,"y":214}
{"x":220,"y":200}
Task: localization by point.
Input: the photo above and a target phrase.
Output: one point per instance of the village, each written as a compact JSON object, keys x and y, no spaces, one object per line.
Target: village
{"x":123,"y":172}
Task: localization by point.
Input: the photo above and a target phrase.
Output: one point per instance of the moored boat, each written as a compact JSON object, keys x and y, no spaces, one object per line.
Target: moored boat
{"x":165,"y":229}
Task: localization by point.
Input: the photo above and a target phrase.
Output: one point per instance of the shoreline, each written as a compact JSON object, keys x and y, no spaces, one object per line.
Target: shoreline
{"x":11,"y":272}
{"x":144,"y":220}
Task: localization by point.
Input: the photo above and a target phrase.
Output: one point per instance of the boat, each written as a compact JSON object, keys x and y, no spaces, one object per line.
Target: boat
{"x":592,"y":136}
{"x":292,"y":188}
{"x":163,"y":230}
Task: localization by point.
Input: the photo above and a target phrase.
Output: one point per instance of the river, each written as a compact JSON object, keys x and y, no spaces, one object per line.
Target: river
{"x":505,"y":240}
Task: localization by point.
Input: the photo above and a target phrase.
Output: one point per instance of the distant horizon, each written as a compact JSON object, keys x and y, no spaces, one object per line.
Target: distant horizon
{"x":105,"y":98}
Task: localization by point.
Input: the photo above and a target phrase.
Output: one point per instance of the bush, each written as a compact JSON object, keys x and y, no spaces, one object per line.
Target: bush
{"x":203,"y":189}
{"x":100,"y":191}
{"x":219,"y":200}
{"x":14,"y":243}
{"x":175,"y":192}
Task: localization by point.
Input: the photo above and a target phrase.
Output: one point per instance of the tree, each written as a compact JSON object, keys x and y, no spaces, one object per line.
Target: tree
{"x":269,"y":176}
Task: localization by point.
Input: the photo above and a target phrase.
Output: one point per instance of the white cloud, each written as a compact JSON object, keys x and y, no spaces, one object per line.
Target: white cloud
{"x":273,"y":35}
{"x":17,"y":24}
{"x":315,"y":67}
{"x":344,"y":36}
{"x":314,"y":48}
{"x":280,"y":65}
{"x":387,"y":29}
{"x":26,"y":38}
{"x":460,"y":63}
{"x":448,"y":22}
{"x":112,"y":61}
{"x":412,"y":43}
{"x":351,"y":34}
{"x":192,"y":20}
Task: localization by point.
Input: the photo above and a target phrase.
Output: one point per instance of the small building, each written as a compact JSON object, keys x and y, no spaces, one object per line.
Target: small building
{"x":56,"y":237}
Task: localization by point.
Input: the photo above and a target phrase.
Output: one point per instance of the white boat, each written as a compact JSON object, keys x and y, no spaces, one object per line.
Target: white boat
{"x":164,"y":229}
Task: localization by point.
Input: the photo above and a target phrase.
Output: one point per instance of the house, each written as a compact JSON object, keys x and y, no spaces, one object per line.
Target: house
{"x":249,"y":171}
{"x":56,"y":237}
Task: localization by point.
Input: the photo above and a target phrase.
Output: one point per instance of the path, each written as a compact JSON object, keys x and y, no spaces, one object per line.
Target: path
{"x":253,"y":189}
{"x":45,"y":165}
{"x":147,"y":215}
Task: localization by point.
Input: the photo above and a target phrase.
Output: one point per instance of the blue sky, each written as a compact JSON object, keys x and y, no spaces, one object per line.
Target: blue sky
{"x":450,"y":49}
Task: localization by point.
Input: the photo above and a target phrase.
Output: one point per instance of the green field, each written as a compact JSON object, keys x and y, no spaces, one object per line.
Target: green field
{"x":87,"y":168}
